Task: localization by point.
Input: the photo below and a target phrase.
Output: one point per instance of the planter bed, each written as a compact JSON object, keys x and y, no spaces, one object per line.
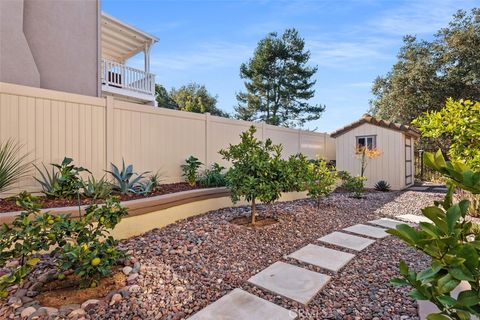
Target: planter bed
{"x":9,"y":205}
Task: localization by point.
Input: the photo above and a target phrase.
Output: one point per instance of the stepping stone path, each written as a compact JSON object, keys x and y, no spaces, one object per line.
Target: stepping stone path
{"x":369,"y":231}
{"x":386,"y":223}
{"x":414,"y":218}
{"x":290,"y":281}
{"x":239,"y":304}
{"x":322,"y":257}
{"x":347,"y":241}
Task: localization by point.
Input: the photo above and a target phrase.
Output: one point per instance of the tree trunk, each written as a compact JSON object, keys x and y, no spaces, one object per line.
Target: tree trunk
{"x":254,"y":211}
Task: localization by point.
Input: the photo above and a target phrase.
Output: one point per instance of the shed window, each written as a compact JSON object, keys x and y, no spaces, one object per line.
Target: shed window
{"x":369,"y":141}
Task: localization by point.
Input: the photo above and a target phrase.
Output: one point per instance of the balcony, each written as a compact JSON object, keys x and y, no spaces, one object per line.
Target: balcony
{"x":120,"y":79}
{"x":119,"y":43}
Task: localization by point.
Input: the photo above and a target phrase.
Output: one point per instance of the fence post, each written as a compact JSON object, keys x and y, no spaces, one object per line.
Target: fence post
{"x":263,"y":131}
{"x":109,"y":134}
{"x":207,"y":139}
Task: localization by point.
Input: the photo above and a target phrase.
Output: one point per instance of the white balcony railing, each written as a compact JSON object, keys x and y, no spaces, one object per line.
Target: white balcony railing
{"x":120,"y":76}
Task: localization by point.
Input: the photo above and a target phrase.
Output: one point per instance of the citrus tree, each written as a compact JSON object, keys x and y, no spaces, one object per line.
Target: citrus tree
{"x":452,"y":242}
{"x":256,"y":172}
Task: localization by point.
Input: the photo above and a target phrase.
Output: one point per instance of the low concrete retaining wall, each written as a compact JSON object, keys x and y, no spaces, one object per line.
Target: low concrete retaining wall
{"x":156,"y":212}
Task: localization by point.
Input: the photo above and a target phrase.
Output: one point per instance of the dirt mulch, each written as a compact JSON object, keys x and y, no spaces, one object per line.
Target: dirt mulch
{"x":63,"y":292}
{"x":9,"y":205}
{"x":260,"y":222}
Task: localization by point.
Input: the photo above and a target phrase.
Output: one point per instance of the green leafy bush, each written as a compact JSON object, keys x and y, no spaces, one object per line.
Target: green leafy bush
{"x":64,"y":180}
{"x":458,"y":123}
{"x":34,"y":232}
{"x":453,"y":243}
{"x":320,"y":180}
{"x":382,"y":185}
{"x":256,"y":171}
{"x":13,"y":165}
{"x":190,"y":170}
{"x":457,"y":127}
{"x":213,"y":177}
{"x":356,"y":185}
{"x":126,"y":180}
{"x":97,"y":189}
{"x":296,"y":173}
{"x":92,"y":251}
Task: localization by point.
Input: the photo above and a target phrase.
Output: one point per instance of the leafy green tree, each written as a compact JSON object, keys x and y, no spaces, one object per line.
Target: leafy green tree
{"x":278,"y":82}
{"x":192,"y":97}
{"x":453,"y":243}
{"x":459,"y":123}
{"x":163,"y":98}
{"x":427,"y":73}
{"x":256,"y":170}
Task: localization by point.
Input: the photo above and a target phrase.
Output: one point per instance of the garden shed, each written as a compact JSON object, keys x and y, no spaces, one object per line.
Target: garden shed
{"x":395,"y":141}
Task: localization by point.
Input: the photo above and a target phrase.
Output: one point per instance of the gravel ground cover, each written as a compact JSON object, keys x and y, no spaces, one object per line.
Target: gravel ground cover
{"x":194,"y":262}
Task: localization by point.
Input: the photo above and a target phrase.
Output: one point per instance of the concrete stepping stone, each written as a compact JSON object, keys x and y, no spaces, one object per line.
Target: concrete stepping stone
{"x":347,"y":240}
{"x":290,"y":281}
{"x":386,"y":223}
{"x":241,"y":305}
{"x":322,"y":257}
{"x":418,"y":188}
{"x":414,"y":218}
{"x":369,"y":231}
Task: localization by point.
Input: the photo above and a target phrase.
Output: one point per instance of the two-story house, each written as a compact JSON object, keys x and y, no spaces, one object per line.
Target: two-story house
{"x":72,"y":46}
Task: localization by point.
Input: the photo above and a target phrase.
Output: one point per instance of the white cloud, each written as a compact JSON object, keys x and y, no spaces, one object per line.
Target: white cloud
{"x":360,"y":53}
{"x":203,"y":56}
{"x":418,"y":17}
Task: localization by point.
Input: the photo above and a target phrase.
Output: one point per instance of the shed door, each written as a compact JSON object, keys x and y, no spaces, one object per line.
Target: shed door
{"x":408,"y":161}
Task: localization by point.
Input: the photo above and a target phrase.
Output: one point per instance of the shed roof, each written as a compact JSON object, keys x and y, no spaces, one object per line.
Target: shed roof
{"x":366,"y":118}
{"x":120,"y":40}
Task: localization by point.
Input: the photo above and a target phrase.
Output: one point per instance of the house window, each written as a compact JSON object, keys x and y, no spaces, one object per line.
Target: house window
{"x":368,"y":141}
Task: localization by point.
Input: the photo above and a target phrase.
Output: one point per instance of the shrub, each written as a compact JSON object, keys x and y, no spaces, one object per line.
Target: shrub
{"x":13,"y":165}
{"x":382,"y":185}
{"x":320,"y":180}
{"x":97,"y":189}
{"x":295,"y":173}
{"x":355,"y":185}
{"x":255,"y":172}
{"x":126,"y":180}
{"x":64,"y":180}
{"x":83,"y":245}
{"x":453,"y":243}
{"x":190,"y":170}
{"x":457,"y":126}
{"x":213,"y":177}
{"x":92,"y":252}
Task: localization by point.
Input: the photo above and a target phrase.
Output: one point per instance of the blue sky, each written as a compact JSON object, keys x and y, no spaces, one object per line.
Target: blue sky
{"x":351,"y":42}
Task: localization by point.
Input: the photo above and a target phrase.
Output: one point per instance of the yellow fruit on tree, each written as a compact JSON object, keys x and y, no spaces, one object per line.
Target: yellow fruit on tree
{"x":95,"y":262}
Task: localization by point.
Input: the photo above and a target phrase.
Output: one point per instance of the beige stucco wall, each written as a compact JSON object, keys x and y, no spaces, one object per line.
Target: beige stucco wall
{"x":389,"y":167}
{"x":63,"y":38}
{"x":16,"y":60}
{"x":50,"y":44}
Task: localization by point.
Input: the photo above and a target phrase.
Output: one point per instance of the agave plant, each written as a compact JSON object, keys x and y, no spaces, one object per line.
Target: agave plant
{"x":125,"y":182}
{"x":382,"y":185}
{"x":13,"y":166}
{"x":97,"y":189}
